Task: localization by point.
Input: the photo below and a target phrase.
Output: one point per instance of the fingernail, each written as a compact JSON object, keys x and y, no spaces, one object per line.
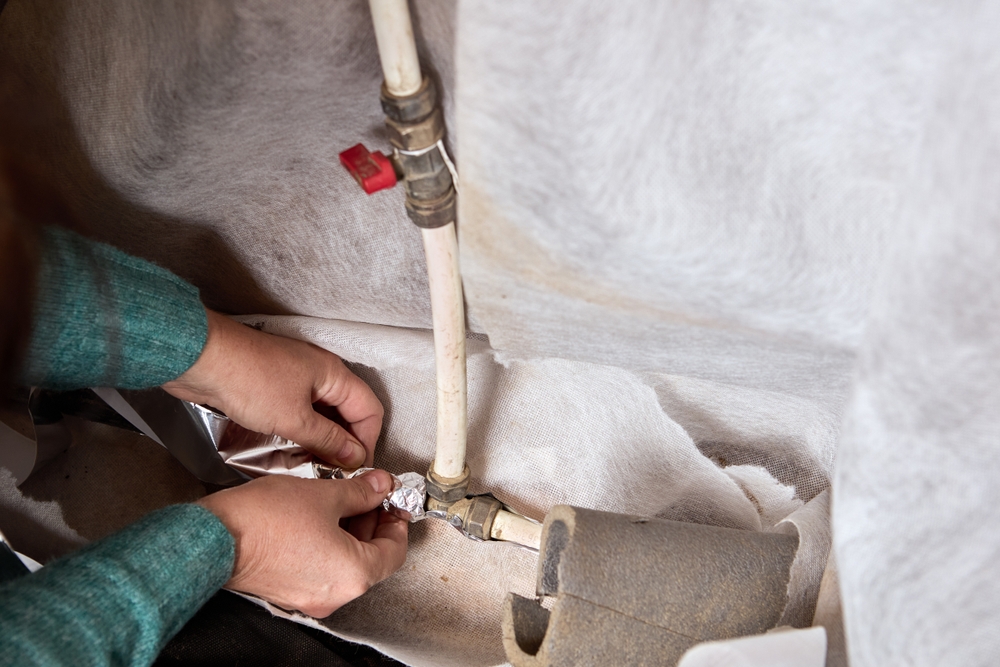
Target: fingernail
{"x":352,"y":454}
{"x":377,"y":480}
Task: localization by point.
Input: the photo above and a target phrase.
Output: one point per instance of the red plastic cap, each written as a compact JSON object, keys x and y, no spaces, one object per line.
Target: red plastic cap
{"x":372,"y":171}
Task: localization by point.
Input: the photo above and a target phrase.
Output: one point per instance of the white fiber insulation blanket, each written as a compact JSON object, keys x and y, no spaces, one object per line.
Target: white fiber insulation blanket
{"x":541,"y":433}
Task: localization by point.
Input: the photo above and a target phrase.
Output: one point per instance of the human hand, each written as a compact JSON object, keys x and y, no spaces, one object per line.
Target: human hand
{"x":268,"y":384}
{"x":291,"y":549}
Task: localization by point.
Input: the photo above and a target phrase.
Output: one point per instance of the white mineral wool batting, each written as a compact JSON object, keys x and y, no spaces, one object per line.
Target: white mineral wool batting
{"x":916,"y":502}
{"x":755,"y":195}
{"x":205,"y":137}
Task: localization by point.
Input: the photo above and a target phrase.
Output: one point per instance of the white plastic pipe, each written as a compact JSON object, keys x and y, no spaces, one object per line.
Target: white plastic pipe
{"x":396,"y":47}
{"x":401,"y":68}
{"x":448,"y":314}
{"x":515,"y":528}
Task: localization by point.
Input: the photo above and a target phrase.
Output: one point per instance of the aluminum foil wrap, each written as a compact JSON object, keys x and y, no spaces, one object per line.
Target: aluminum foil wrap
{"x":220,"y":451}
{"x":257,"y":454}
{"x":407,"y":498}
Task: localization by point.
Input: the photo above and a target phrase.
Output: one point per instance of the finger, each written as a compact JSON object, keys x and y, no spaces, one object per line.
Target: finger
{"x":362,"y":494}
{"x":327,"y":440}
{"x":354,"y":400}
{"x":367,"y":431}
{"x":386,"y":551}
{"x":362,"y":527}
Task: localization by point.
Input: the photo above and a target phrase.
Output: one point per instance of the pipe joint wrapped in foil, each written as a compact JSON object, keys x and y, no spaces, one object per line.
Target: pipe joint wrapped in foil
{"x":407,"y":498}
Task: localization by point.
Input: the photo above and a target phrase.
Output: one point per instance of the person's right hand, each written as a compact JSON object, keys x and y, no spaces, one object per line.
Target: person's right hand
{"x":290,"y":548}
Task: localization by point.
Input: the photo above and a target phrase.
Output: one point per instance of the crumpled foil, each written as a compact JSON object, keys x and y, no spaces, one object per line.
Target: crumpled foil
{"x":258,"y":454}
{"x":218,"y":450}
{"x":408,"y":497}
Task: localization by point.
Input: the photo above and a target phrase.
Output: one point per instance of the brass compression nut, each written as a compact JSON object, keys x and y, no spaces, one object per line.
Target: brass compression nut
{"x":480,"y":515}
{"x":432,"y":213}
{"x":447,"y":489}
{"x":415,"y":136}
{"x":475,"y":515}
{"x":410,"y":108}
{"x":415,"y":121}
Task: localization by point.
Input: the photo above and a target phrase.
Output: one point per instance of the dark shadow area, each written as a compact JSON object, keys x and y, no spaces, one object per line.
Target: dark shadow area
{"x":230,"y":630}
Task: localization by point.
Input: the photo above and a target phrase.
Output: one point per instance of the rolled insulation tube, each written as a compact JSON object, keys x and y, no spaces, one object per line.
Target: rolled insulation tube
{"x":448,"y":314}
{"x":396,"y":47}
{"x":515,"y":528}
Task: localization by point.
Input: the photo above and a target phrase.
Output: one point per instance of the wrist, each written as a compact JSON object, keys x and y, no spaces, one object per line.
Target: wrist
{"x":219,"y":506}
{"x":196,"y":383}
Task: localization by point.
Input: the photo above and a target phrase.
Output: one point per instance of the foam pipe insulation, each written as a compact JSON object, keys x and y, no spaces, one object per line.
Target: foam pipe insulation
{"x":639,"y":591}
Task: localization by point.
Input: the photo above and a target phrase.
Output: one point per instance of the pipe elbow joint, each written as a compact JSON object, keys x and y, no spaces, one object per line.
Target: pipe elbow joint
{"x":474,"y":516}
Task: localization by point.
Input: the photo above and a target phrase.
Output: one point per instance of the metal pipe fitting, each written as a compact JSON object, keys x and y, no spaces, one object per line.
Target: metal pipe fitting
{"x":447,"y":490}
{"x":416,"y":128}
{"x":473,"y":516}
{"x":415,"y":121}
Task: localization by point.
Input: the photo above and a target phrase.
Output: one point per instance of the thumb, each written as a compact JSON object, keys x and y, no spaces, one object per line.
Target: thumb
{"x":364,"y":493}
{"x":328,"y":441}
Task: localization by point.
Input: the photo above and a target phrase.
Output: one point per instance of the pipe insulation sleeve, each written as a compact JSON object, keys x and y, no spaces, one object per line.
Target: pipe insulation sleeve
{"x":510,"y":527}
{"x":448,"y":314}
{"x":396,"y":47}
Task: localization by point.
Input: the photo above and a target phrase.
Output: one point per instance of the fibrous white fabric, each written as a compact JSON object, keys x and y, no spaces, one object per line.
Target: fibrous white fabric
{"x":542,"y":432}
{"x":780,"y":648}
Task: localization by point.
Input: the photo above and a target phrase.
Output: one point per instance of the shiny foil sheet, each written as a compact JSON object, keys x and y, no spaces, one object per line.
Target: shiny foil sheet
{"x":256,"y":454}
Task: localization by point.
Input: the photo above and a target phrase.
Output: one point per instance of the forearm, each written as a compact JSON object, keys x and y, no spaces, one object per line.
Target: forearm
{"x":105,"y":318}
{"x":117,"y":601}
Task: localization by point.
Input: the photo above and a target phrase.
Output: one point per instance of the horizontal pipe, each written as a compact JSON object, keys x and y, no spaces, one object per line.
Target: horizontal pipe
{"x":510,"y":527}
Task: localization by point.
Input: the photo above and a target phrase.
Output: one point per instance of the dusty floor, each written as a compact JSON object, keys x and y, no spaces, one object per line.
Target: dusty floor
{"x":108,"y":478}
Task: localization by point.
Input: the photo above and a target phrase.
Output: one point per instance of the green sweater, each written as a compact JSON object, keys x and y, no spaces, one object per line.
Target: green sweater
{"x":106,"y":319}
{"x":103,"y":318}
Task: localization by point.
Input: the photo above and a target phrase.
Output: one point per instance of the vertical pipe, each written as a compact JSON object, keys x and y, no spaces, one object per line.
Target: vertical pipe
{"x":396,"y":47}
{"x":448,"y":313}
{"x":401,"y":68}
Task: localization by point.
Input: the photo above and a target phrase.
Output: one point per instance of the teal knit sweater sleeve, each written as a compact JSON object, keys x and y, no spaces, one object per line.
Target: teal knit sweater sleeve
{"x":104,"y":318}
{"x":119,"y":600}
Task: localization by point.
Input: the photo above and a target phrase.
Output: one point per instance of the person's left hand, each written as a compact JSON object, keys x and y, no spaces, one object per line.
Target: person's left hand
{"x":291,"y":549}
{"x":269,"y":384}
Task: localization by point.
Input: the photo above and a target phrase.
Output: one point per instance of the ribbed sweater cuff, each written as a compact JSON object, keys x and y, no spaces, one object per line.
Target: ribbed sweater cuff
{"x":119,"y":600}
{"x":105,"y":318}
